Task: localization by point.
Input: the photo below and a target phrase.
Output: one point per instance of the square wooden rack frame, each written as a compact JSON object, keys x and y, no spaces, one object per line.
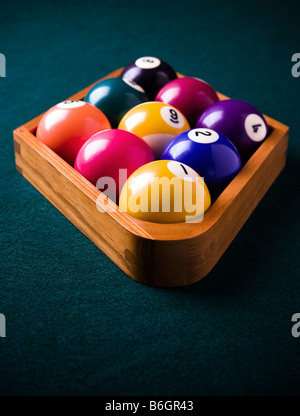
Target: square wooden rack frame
{"x":154,"y":254}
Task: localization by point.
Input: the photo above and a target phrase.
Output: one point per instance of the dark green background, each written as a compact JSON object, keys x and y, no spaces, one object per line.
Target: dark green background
{"x":75,"y":323}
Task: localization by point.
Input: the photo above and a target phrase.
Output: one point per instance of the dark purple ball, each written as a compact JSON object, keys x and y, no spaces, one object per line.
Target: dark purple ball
{"x":239,"y":121}
{"x":150,"y":73}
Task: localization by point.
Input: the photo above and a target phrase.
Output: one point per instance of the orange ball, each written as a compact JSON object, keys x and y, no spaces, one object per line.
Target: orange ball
{"x":68,"y":125}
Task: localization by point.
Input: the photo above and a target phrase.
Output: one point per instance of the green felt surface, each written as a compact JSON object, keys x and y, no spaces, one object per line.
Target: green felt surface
{"x":78,"y":325}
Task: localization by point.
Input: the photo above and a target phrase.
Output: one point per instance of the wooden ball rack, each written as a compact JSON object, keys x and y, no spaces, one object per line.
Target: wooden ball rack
{"x":165,"y":255}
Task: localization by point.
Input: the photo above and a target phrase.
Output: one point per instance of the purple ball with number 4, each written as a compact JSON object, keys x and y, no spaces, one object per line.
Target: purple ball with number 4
{"x":239,"y":121}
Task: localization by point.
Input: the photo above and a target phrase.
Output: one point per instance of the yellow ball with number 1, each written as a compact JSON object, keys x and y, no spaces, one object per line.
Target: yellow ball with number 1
{"x":165,"y":191}
{"x":157,"y":123}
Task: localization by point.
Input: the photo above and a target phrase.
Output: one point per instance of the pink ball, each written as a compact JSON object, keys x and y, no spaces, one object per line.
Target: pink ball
{"x":189,"y":95}
{"x":106,"y":153}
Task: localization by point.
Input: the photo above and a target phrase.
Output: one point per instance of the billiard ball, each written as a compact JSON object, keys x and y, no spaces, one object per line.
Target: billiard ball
{"x":157,"y":123}
{"x":114,"y":97}
{"x":109,"y":157}
{"x":165,"y":192}
{"x":239,"y":121}
{"x":150,"y":73}
{"x":189,"y":95}
{"x":66,"y":126}
{"x":209,"y":153}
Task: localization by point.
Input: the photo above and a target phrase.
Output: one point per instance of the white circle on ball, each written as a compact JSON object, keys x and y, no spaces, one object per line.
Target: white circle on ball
{"x":147,"y":62}
{"x":71,"y":104}
{"x":182,"y":171}
{"x":255,"y":127}
{"x":203,"y":135}
{"x":200,"y":79}
{"x":133,"y":85}
{"x":172,"y":117}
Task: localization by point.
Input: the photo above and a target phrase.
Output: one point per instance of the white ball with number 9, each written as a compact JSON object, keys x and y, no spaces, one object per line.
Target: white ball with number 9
{"x":157,"y":123}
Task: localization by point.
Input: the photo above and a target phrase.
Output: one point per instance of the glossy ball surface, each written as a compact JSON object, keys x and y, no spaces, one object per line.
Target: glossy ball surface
{"x":106,"y":153}
{"x":189,"y":95}
{"x":209,"y":153}
{"x":239,"y":121}
{"x":114,"y":97}
{"x":165,"y":192}
{"x":157,"y":123}
{"x":68,"y":125}
{"x":150,"y":73}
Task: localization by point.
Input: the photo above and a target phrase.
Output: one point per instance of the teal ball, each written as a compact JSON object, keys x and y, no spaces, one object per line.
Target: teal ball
{"x":115,"y":97}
